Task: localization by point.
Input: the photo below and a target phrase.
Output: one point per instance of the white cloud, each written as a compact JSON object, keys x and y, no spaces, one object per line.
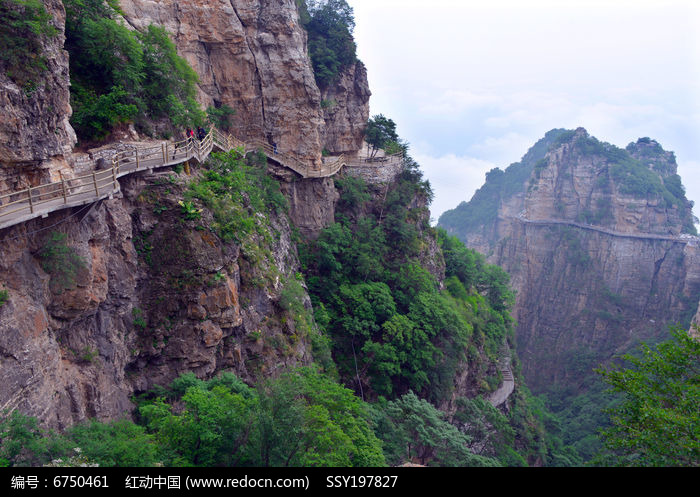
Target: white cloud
{"x":454,"y":179}
{"x":470,"y":81}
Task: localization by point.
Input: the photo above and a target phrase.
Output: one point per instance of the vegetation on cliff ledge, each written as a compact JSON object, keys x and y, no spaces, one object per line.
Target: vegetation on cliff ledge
{"x":329,"y":24}
{"x":25,"y":26}
{"x":119,"y":75}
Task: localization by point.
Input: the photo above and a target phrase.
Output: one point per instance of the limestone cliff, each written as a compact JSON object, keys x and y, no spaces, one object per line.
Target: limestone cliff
{"x":149,"y":297}
{"x":346,"y":110}
{"x":249,"y":54}
{"x":592,"y":236}
{"x":252,"y":56}
{"x":35,"y":135}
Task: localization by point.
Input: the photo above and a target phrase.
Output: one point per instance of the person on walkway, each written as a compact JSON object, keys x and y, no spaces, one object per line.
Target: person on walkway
{"x":201,"y":133}
{"x":274,"y":148}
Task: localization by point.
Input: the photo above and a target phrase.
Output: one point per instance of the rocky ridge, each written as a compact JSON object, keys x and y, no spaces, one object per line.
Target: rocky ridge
{"x":584,"y":295}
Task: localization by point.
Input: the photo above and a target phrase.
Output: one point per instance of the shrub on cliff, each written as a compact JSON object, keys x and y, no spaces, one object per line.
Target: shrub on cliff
{"x":25,"y":23}
{"x":119,"y":76}
{"x":329,"y":24}
{"x":61,"y":261}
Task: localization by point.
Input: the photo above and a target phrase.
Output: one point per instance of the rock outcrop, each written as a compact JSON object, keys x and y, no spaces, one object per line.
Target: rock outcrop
{"x":135,"y":299}
{"x":250,"y":55}
{"x":35,"y":135}
{"x":346,"y":111}
{"x":131,"y":296}
{"x":592,"y":237}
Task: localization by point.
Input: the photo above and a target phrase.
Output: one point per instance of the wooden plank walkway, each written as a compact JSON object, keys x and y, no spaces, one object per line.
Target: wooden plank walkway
{"x":39,"y":201}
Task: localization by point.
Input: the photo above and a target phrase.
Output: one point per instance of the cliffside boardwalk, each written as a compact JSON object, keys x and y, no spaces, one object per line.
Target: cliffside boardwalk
{"x":39,"y":201}
{"x":508,"y":386}
{"x":688,"y":239}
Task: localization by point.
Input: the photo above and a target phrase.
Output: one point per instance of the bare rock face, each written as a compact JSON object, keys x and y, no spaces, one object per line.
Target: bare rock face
{"x":147,"y":297}
{"x":35,"y":134}
{"x":596,"y":265}
{"x":581,"y":181}
{"x":64,"y":351}
{"x":311,"y":204}
{"x":346,"y":110}
{"x":250,"y":55}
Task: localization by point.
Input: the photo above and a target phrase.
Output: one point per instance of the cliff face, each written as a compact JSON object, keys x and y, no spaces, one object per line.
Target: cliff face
{"x":131,"y":297}
{"x":145,"y":299}
{"x":346,"y":111}
{"x":591,"y":237}
{"x":35,"y":136}
{"x":252,"y":56}
{"x":249,"y":54}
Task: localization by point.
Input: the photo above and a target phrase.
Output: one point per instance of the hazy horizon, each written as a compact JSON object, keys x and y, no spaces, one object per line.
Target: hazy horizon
{"x":473,"y":85}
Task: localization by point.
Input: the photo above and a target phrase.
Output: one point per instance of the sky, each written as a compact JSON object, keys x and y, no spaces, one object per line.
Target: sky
{"x":472,"y":85}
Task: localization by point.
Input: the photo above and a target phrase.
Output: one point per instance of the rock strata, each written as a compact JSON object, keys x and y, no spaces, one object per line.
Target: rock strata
{"x":596,"y":265}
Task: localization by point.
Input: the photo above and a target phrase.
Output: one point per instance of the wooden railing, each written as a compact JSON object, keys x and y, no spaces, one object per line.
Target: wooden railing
{"x":20,"y":206}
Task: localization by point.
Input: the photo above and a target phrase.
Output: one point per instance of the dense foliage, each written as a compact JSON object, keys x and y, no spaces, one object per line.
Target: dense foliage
{"x":414,"y":430}
{"x":25,"y":24}
{"x":658,"y":420}
{"x":300,"y":419}
{"x":381,"y":133}
{"x":329,"y":24}
{"x":238,"y":191}
{"x":581,"y":414}
{"x":119,"y":75}
{"x":391,"y":327}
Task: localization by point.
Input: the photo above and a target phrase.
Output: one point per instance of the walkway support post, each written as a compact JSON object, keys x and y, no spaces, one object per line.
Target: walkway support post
{"x":31,"y":204}
{"x":63,"y":184}
{"x":94,"y":181}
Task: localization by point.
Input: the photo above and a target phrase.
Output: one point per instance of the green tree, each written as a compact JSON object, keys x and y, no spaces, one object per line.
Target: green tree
{"x":329,"y":24}
{"x":118,"y":443}
{"x":306,"y":419}
{"x":658,"y":421}
{"x":211,"y":430}
{"x":415,"y":431}
{"x":380,"y":132}
{"x":302,"y":418}
{"x":119,"y":75}
{"x":24,"y":443}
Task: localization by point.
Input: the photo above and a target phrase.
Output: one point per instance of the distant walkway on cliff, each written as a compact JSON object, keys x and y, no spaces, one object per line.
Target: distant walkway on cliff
{"x":687,"y":239}
{"x":39,"y":201}
{"x":501,"y":395}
